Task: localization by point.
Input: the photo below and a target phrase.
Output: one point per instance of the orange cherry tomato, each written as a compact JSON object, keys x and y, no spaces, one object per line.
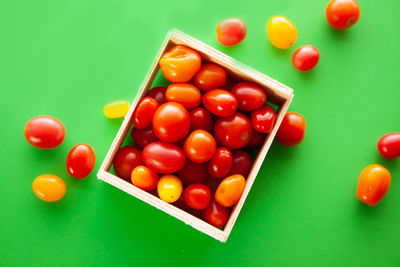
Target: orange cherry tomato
{"x":199,"y":146}
{"x":81,"y":160}
{"x":373,"y":184}
{"x":342,"y":14}
{"x":180,"y":64}
{"x":292,"y":129}
{"x":49,"y":187}
{"x":44,"y":132}
{"x":210,"y":76}
{"x":230,"y":190}
{"x":185,"y":94}
{"x":231,"y":31}
{"x":144,"y":112}
{"x":220,"y":102}
{"x":144,"y":178}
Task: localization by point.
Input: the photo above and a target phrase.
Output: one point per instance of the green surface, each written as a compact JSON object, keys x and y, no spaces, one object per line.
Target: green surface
{"x":69,"y":58}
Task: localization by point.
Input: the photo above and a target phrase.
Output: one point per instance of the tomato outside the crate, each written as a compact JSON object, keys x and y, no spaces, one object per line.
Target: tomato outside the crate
{"x":201,"y":119}
{"x":233,"y":132}
{"x":231,"y":31}
{"x":292,"y":129}
{"x":197,"y":196}
{"x":220,"y":164}
{"x":44,"y":132}
{"x":80,"y":160}
{"x":389,"y":145}
{"x":144,"y":178}
{"x":305,"y":58}
{"x":373,"y":184}
{"x":125,"y":160}
{"x":49,"y":187}
{"x":230,"y":190}
{"x":199,"y":146}
{"x":185,"y":94}
{"x":249,"y":96}
{"x":342,"y":14}
{"x":282,"y":33}
{"x":144,"y":112}
{"x":158,"y":94}
{"x":263,"y":119}
{"x":193,"y":173}
{"x":210,"y":76}
{"x":116,"y":109}
{"x":220,"y":102}
{"x":163,"y":157}
{"x":143,"y":137}
{"x":241,"y":163}
{"x":215,"y":214}
{"x":169,"y":188}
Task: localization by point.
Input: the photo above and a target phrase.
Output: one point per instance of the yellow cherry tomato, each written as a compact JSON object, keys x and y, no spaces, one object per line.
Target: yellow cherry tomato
{"x":49,"y":187}
{"x":281,"y":32}
{"x":230,"y":190}
{"x":116,"y":109}
{"x":169,"y":188}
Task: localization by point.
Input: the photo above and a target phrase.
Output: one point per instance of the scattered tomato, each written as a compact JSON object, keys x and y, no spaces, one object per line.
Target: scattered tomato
{"x":201,"y":119}
{"x":80,"y":161}
{"x":126,"y":159}
{"x":292,"y":129}
{"x":163,"y":157}
{"x":220,"y":164}
{"x":342,"y":14}
{"x":249,"y":96}
{"x":230,"y":190}
{"x":49,"y":187}
{"x":144,"y":112}
{"x":185,"y":94}
{"x":199,"y":146}
{"x":158,"y":94}
{"x":215,"y":214}
{"x":281,"y":32}
{"x":197,"y":196}
{"x":305,"y":58}
{"x":389,"y":145}
{"x":143,"y":137}
{"x":241,"y":163}
{"x":144,"y":178}
{"x":233,"y":132}
{"x":231,"y":31}
{"x":169,"y":188}
{"x":44,"y":132}
{"x":263,"y":119}
{"x":373,"y":184}
{"x":193,"y":173}
{"x":210,"y":76}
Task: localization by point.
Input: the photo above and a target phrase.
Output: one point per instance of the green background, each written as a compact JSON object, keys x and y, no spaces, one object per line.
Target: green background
{"x":69,"y":58}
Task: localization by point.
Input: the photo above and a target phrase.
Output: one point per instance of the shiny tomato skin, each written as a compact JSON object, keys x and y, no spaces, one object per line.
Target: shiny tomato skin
{"x":169,"y":188}
{"x":49,"y":187}
{"x":220,"y":164}
{"x":292,"y":129}
{"x":220,"y":102}
{"x":263,"y":119}
{"x":231,"y":31}
{"x":143,"y":137}
{"x":241,"y":163}
{"x":210,"y":76}
{"x":305,"y":58}
{"x":144,"y":178}
{"x":201,"y":119}
{"x":197,"y":196}
{"x":144,"y":112}
{"x":44,"y":132}
{"x":342,"y":14}
{"x":230,"y":190}
{"x":163,"y":157}
{"x":233,"y":132}
{"x":81,"y":160}
{"x":373,"y":184}
{"x":199,"y":146}
{"x":389,"y":145}
{"x":158,"y":94}
{"x":215,"y":214}
{"x":171,"y":122}
{"x":125,"y":160}
{"x":193,"y":173}
{"x":249,"y":96}
{"x":257,"y":140}
{"x":185,"y":94}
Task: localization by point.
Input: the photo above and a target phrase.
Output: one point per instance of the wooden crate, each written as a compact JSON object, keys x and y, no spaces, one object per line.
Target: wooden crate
{"x":277,"y":94}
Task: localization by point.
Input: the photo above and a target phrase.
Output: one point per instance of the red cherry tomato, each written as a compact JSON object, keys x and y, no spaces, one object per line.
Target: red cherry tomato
{"x":220,"y":164}
{"x":389,"y":145}
{"x":193,"y":173}
{"x":215,"y":214}
{"x":210,"y":76}
{"x":263,"y":119}
{"x":249,"y":96}
{"x":199,"y":146}
{"x":342,"y":14}
{"x":373,"y":184}
{"x":143,"y":137}
{"x":292,"y":129}
{"x":144,"y":112}
{"x":305,"y":58}
{"x":126,"y":159}
{"x":230,"y":190}
{"x":233,"y":132}
{"x":241,"y":163}
{"x":171,"y":122}
{"x":231,"y":31}
{"x":44,"y":132}
{"x":257,"y":140}
{"x":197,"y":196}
{"x":158,"y":94}
{"x":201,"y":119}
{"x":185,"y":94}
{"x":220,"y":102}
{"x":80,"y":161}
{"x":163,"y":157}
{"x":144,"y":178}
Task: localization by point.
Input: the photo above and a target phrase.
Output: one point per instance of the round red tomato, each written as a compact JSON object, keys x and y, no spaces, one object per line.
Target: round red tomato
{"x":199,"y":146}
{"x":263,"y":119}
{"x":143,"y":137}
{"x":389,"y":145}
{"x":201,"y":119}
{"x":171,"y":122}
{"x":80,"y":161}
{"x":158,"y":94}
{"x":231,"y":31}
{"x":249,"y":96}
{"x":342,"y":14}
{"x":305,"y":58}
{"x":233,"y":132}
{"x":210,"y":76}
{"x":197,"y":196}
{"x":220,"y":102}
{"x":193,"y":173}
{"x":220,"y":164}
{"x":215,"y":214}
{"x":257,"y":140}
{"x":185,"y":94}
{"x":126,"y":159}
{"x":292,"y":129}
{"x":241,"y":163}
{"x":44,"y":132}
{"x":144,"y":112}
{"x":163,"y":157}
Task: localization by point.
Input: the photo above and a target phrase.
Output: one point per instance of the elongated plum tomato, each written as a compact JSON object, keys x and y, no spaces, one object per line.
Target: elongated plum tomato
{"x":201,"y":119}
{"x":220,"y":102}
{"x":180,"y":64}
{"x":169,"y":188}
{"x":210,"y":76}
{"x":116,"y":109}
{"x":342,"y":14}
{"x":220,"y":164}
{"x":373,"y":184}
{"x":305,"y":58}
{"x":257,"y":139}
{"x":144,"y":112}
{"x":281,"y":32}
{"x":126,"y":159}
{"x":231,"y":31}
{"x":233,"y":132}
{"x":171,"y":122}
{"x":163,"y":157}
{"x":144,"y":178}
{"x":193,"y":173}
{"x":215,"y":214}
{"x":44,"y":132}
{"x":80,"y":161}
{"x":389,"y":145}
{"x":197,"y":196}
{"x":230,"y":190}
{"x":49,"y":187}
{"x":241,"y":163}
{"x":292,"y":129}
{"x":263,"y":119}
{"x":249,"y":96}
{"x":158,"y":94}
{"x":199,"y":146}
{"x":185,"y":94}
